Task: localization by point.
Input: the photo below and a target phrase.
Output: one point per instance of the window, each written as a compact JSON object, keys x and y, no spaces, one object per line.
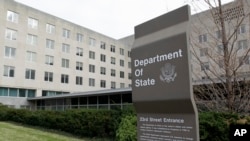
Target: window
{"x":121,"y":51}
{"x":121,"y":74}
{"x":112,"y":48}
{"x":203,"y":52}
{"x":244,"y":60}
{"x":129,"y":64}
{"x":112,"y":72}
{"x":78,"y":80}
{"x":12,"y":16}
{"x":79,"y":37}
{"x":112,"y":60}
{"x":103,"y":58}
{"x":65,"y":63}
{"x":49,"y":60}
{"x":50,"y":28}
{"x":202,"y":38}
{"x":10,"y":52}
{"x":31,"y":39}
{"x":91,"y":41}
{"x":31,"y":56}
{"x":92,"y":68}
{"x":91,"y":82}
{"x":129,"y":76}
{"x":129,"y":53}
{"x":30,"y":74}
{"x":113,"y":85}
{"x":48,"y":76}
{"x":79,"y":51}
{"x":65,"y":48}
{"x":242,"y":29}
{"x":220,"y":49}
{"x":66,"y":33}
{"x":221,"y":63}
{"x":79,"y":66}
{"x":11,"y":34}
{"x":91,"y":55}
{"x":32,"y":23}
{"x":9,"y":71}
{"x":103,"y":45}
{"x":205,"y":66}
{"x":122,"y":85}
{"x":122,"y":63}
{"x":103,"y":84}
{"x":242,"y":44}
{"x":50,"y":43}
{"x":103,"y":71}
{"x":64,"y":78}
{"x":218,"y":34}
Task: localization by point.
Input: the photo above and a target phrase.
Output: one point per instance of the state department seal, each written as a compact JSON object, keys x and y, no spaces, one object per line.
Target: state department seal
{"x":168,"y":73}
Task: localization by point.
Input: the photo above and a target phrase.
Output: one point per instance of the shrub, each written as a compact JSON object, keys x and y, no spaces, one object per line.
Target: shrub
{"x":127,"y":129}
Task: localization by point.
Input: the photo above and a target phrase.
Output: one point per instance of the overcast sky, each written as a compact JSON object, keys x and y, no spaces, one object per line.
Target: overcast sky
{"x":114,"y":18}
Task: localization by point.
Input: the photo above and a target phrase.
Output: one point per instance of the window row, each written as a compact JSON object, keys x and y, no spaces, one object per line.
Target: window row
{"x":50,"y":29}
{"x":218,"y":34}
{"x":9,"y":71}
{"x":14,"y":92}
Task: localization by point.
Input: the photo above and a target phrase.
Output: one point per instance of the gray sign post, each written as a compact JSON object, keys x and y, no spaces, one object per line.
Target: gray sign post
{"x":161,"y":90}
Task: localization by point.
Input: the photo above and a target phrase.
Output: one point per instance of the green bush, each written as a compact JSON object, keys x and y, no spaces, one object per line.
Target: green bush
{"x":127,"y":129}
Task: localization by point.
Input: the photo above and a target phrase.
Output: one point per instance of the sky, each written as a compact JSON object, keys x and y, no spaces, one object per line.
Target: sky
{"x":114,"y":18}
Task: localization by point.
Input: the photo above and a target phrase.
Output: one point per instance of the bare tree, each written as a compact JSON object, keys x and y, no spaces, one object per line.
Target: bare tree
{"x":220,"y":55}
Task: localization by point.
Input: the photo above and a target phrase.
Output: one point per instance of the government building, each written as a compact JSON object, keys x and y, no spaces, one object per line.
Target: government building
{"x":43,"y":55}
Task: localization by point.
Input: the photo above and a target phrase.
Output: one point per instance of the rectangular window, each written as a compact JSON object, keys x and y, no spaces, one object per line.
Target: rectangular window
{"x":49,"y":60}
{"x":103,"y":84}
{"x":242,"y":44}
{"x":220,"y":49}
{"x":122,"y":63}
{"x":218,"y":34}
{"x":50,"y":28}
{"x":31,"y":56}
{"x":205,"y":66}
{"x":202,"y":38}
{"x":50,"y":44}
{"x":242,"y":29}
{"x":129,"y":76}
{"x":103,"y":58}
{"x":66,"y":48}
{"x":103,"y":71}
{"x":121,"y":51}
{"x":66,"y":33}
{"x":203,"y":52}
{"x":9,"y":71}
{"x":91,"y":82}
{"x":129,"y":64}
{"x":91,"y":55}
{"x":129,"y":53}
{"x":91,"y":41}
{"x":122,"y":85}
{"x":79,"y":66}
{"x":112,"y":72}
{"x":32,"y":23}
{"x":79,"y":51}
{"x":11,"y":34}
{"x":103,"y":45}
{"x":10,"y":52}
{"x":112,"y":60}
{"x":92,"y":68}
{"x":221,"y":63}
{"x":30,"y":74}
{"x":65,"y":63}
{"x":112,"y":48}
{"x":64,"y":78}
{"x":244,"y":60}
{"x":113,"y":85}
{"x":12,"y":16}
{"x":48,"y":76}
{"x":79,"y":37}
{"x":31,"y":39}
{"x":78,"y":80}
{"x":121,"y":74}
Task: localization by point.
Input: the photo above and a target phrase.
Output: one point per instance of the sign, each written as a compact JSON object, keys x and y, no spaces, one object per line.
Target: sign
{"x":161,"y":87}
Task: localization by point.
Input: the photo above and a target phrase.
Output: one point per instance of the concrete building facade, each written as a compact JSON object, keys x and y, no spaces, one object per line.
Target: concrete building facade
{"x":43,"y":55}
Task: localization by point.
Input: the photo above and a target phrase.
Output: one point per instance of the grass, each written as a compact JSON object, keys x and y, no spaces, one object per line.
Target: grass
{"x":16,"y":132}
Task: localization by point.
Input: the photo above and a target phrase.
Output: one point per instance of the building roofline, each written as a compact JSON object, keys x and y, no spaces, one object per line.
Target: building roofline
{"x":84,"y":94}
